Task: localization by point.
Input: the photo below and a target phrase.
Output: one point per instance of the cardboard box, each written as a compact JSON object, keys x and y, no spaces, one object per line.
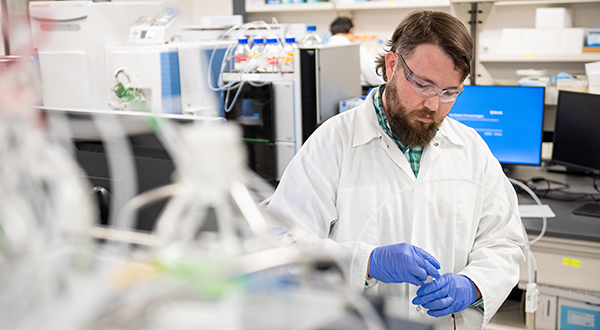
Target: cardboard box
{"x":577,"y":315}
{"x":553,"y":18}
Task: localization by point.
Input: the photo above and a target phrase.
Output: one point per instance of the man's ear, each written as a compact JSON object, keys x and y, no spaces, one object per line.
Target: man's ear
{"x":391,"y":60}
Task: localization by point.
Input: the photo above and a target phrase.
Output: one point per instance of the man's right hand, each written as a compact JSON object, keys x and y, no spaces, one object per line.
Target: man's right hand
{"x":399,"y":263}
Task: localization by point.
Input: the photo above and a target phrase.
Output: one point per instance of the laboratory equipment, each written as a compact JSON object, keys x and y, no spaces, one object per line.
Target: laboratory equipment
{"x":155,"y":30}
{"x":172,"y":78}
{"x":68,"y":40}
{"x":508,"y":118}
{"x":279,"y":111}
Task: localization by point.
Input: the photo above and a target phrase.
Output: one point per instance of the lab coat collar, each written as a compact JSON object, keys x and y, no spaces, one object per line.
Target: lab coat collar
{"x":447,"y":132}
{"x":366,"y":127}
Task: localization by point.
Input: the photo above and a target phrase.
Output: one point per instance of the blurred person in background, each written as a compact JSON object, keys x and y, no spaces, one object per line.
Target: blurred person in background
{"x":342,"y":31}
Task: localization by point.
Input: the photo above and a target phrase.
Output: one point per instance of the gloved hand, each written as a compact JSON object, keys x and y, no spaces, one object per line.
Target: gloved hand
{"x":451,"y":293}
{"x":402,"y":262}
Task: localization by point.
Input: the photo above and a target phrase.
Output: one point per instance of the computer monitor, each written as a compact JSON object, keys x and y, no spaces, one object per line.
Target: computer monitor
{"x":576,"y":142}
{"x":508,"y":118}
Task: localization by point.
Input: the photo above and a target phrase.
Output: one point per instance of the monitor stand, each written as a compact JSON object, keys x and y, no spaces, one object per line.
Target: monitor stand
{"x":588,"y":209}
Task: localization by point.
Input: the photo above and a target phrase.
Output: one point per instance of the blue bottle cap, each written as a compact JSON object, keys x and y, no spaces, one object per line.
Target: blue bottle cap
{"x":271,"y":40}
{"x":242,"y":40}
{"x":311,"y":28}
{"x":289,"y":40}
{"x":258,"y":40}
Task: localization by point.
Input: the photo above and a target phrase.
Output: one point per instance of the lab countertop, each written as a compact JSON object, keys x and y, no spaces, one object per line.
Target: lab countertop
{"x":562,"y":202}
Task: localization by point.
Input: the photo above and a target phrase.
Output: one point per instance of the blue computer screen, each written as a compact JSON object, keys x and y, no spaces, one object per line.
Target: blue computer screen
{"x":508,"y":118}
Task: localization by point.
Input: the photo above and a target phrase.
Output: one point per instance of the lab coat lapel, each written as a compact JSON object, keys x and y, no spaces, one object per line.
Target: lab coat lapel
{"x":396,"y":155}
{"x":367,"y":128}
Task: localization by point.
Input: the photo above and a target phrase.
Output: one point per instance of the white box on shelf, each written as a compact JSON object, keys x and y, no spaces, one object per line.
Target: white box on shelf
{"x":532,"y":41}
{"x":592,"y":70}
{"x":594,"y":89}
{"x":550,"y":41}
{"x":572,"y":40}
{"x":553,"y":18}
{"x":576,"y":315}
{"x":512,"y":41}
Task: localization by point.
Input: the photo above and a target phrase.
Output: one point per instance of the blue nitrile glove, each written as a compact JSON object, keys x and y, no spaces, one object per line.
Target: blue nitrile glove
{"x":451,"y":293}
{"x":402,"y":262}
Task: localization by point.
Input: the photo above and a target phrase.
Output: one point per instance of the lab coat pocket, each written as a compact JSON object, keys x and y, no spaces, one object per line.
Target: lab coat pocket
{"x":356,"y":215}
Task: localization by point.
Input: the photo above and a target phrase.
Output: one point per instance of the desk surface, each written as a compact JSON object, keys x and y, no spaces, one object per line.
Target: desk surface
{"x":565,"y":224}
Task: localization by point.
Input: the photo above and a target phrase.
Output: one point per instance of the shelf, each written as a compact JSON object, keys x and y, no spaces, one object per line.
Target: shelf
{"x":234,"y":76}
{"x":591,"y":57}
{"x":391,"y":4}
{"x":540,"y":2}
{"x":295,"y":7}
{"x":366,"y":5}
{"x":524,"y":2}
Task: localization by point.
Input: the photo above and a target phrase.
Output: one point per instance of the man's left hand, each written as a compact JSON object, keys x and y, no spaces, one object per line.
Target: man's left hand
{"x":451,"y":293}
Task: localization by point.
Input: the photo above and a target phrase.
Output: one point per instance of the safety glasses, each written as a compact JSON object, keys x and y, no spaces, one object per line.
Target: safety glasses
{"x":425,"y":89}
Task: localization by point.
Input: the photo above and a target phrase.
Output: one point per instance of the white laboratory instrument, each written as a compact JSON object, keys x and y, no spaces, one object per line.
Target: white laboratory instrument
{"x":68,"y":39}
{"x":170,"y":78}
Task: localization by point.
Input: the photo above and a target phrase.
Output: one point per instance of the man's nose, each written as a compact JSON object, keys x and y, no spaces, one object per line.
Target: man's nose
{"x":432,"y":103}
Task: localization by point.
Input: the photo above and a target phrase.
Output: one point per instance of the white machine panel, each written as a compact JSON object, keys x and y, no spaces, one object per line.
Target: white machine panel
{"x":64,"y":28}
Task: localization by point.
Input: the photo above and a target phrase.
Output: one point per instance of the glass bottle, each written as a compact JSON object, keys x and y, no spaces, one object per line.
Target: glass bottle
{"x":240,"y":55}
{"x":273,"y":54}
{"x":311,"y":38}
{"x":256,"y":54}
{"x":287,"y":57}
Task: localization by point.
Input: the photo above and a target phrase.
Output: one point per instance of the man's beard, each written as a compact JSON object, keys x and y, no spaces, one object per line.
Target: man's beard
{"x":405,"y":125}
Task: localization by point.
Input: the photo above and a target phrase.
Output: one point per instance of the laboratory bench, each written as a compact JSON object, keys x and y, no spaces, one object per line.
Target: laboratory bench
{"x":568,"y":255}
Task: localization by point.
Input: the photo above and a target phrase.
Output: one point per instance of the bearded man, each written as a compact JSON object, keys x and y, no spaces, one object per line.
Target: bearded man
{"x":412,"y":204}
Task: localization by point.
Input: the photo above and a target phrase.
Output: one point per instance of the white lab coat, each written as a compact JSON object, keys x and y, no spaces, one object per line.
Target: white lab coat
{"x":368,"y":76}
{"x":351,"y":189}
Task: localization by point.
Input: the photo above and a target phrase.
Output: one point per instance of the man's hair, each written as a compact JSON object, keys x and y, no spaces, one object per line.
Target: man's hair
{"x":341,"y":25}
{"x":431,"y":27}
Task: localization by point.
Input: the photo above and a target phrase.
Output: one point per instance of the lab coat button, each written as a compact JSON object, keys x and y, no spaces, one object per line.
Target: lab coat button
{"x":436,"y":144}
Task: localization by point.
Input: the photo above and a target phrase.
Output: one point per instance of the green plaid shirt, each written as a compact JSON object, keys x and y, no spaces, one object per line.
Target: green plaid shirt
{"x":412,"y":154}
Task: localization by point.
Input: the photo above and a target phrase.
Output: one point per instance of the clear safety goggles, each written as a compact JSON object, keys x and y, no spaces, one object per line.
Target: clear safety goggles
{"x":425,"y":89}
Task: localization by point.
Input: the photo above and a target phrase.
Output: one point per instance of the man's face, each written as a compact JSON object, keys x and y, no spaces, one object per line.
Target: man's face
{"x":413,"y":116}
